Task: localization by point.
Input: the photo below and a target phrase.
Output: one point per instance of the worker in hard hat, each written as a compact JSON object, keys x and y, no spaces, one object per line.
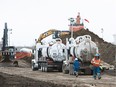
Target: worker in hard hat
{"x":96,"y":66}
{"x":76,"y":66}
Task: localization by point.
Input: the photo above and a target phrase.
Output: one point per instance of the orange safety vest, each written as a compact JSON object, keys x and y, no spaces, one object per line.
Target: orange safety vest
{"x":96,"y":62}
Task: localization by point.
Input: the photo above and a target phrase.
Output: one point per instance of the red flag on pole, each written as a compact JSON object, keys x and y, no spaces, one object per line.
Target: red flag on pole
{"x":86,"y":20}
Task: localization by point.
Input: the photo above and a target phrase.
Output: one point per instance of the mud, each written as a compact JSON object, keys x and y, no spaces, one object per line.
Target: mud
{"x":7,"y":80}
{"x":25,"y":77}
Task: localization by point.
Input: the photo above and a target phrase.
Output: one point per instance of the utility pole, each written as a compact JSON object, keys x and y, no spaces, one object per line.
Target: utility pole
{"x":115,"y":52}
{"x":9,"y":35}
{"x":115,"y":45}
{"x":102,"y":30}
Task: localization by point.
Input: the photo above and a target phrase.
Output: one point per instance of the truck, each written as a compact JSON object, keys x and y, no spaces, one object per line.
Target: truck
{"x":51,"y":56}
{"x":82,"y":48}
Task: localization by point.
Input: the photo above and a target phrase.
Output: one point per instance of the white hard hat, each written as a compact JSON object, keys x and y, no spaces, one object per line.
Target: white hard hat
{"x":76,"y":59}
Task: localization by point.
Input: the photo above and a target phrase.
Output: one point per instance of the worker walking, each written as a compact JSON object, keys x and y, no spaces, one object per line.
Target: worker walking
{"x":96,"y":66}
{"x":76,"y":66}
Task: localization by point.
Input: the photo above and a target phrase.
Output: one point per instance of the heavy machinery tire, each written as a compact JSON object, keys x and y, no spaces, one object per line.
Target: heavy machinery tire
{"x":88,"y":72}
{"x":34,"y":68}
{"x":71,"y":70}
{"x":64,"y":69}
{"x":15,"y":63}
{"x":60,"y":69}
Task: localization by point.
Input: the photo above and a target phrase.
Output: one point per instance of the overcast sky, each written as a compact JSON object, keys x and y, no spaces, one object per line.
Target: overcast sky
{"x":29,"y":18}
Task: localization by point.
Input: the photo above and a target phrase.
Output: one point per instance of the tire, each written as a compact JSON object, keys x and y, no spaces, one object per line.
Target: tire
{"x":88,"y":71}
{"x":42,"y":67}
{"x":15,"y":63}
{"x":47,"y":69}
{"x":60,"y":69}
{"x":34,"y":68}
{"x":64,"y":69}
{"x":71,"y":70}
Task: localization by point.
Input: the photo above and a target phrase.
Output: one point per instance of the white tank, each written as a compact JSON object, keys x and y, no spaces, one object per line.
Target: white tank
{"x":57,"y":51}
{"x":84,"y":49}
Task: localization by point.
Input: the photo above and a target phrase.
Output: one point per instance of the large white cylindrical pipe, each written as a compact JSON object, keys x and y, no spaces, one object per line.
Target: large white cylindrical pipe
{"x":57,"y":52}
{"x":85,"y":48}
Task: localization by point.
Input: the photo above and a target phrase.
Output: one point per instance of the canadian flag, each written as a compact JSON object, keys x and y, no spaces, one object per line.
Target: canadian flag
{"x":86,"y":20}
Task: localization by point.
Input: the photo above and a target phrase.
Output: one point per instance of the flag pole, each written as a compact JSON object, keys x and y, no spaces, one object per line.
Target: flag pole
{"x":71,"y":25}
{"x":71,"y":31}
{"x":84,"y":23}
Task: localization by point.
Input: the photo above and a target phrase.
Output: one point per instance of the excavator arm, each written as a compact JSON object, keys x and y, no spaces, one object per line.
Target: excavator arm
{"x":57,"y":34}
{"x":46,"y":34}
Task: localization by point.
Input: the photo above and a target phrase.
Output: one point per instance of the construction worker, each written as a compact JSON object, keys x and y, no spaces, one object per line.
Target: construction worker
{"x":96,"y":66}
{"x":76,"y":66}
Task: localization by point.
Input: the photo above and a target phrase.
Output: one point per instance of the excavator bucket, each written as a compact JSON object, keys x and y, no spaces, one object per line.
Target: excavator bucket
{"x":7,"y":57}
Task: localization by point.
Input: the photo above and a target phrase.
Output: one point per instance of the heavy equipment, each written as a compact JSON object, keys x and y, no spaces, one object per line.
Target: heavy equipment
{"x":7,"y":52}
{"x":82,"y":48}
{"x":55,"y":34}
{"x":51,"y":56}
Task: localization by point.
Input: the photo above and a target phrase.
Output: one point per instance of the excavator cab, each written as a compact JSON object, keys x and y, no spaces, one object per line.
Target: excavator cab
{"x":56,"y":34}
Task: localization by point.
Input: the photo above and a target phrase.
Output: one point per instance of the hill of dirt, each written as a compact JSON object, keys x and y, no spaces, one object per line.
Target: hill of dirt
{"x":106,"y":49}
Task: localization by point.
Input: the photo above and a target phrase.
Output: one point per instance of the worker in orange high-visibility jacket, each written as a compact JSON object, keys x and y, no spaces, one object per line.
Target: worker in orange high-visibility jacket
{"x":96,"y":66}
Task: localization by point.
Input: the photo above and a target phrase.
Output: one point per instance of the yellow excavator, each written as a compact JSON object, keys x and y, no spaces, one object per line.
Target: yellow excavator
{"x":56,"y":34}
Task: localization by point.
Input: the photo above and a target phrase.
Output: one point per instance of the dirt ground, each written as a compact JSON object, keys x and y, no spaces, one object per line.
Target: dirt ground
{"x":25,"y":77}
{"x":7,"y":80}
